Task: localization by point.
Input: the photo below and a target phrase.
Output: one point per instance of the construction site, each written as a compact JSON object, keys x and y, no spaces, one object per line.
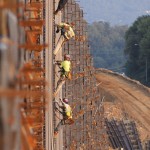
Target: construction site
{"x":110,"y":111}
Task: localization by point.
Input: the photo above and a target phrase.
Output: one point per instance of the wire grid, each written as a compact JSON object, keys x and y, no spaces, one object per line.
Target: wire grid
{"x":88,"y":131}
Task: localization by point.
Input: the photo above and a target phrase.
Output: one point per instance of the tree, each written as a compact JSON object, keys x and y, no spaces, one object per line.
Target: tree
{"x":137,"y":48}
{"x":107,"y":45}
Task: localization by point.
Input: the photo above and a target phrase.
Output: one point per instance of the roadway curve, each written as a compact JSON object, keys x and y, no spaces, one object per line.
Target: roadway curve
{"x":133,"y":95}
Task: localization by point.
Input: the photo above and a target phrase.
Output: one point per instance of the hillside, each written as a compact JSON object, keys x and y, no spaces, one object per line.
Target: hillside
{"x":133,"y":96}
{"x":114,"y":11}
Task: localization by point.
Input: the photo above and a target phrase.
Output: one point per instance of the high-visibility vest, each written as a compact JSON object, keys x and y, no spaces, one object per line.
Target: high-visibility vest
{"x":66,"y":65}
{"x":68,"y":110}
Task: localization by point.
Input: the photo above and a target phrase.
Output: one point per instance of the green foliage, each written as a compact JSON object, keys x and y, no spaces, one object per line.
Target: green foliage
{"x":137,"y":48}
{"x":107,"y":44}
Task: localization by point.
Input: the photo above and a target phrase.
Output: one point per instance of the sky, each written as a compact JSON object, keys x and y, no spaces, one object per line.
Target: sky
{"x":123,"y":12}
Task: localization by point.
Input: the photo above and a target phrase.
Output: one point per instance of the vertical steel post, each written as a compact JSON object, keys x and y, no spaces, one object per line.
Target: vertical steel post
{"x":49,"y":73}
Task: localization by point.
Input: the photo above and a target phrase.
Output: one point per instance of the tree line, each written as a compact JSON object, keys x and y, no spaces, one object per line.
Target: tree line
{"x":107,"y":45}
{"x":137,"y":49}
{"x":122,"y":48}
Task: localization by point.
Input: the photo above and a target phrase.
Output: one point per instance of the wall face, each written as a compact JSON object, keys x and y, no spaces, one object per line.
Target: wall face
{"x":88,"y":130}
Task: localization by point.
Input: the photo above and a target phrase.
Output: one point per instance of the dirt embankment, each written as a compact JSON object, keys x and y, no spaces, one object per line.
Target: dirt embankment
{"x":134,"y":97}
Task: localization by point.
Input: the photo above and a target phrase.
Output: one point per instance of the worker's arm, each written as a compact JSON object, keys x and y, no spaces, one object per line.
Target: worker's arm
{"x":58,"y":62}
{"x":70,"y":66}
{"x":61,"y":25}
{"x":55,"y":101}
{"x":61,"y":65}
{"x":63,"y":104}
{"x":62,"y":107}
{"x":58,"y":104}
{"x":61,"y":101}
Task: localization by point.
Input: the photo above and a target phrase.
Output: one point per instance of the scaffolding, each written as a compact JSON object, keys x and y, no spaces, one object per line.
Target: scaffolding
{"x":88,"y":131}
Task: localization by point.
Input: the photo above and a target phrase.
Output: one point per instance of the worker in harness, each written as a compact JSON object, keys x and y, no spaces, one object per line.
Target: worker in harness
{"x":61,"y":5}
{"x":66,"y":113}
{"x":67,"y":33}
{"x":65,"y":68}
{"x":66,"y":30}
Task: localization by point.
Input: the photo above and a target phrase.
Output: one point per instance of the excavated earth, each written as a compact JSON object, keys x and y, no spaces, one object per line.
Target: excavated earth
{"x":131,"y":95}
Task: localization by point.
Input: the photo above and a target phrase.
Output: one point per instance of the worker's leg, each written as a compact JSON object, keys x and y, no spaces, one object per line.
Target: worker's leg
{"x":60,"y":81}
{"x":57,"y":31}
{"x":59,"y":45}
{"x":58,"y":88}
{"x":58,"y":126}
{"x":62,"y":122}
{"x":66,"y":75}
{"x":62,"y":77}
{"x":61,"y":5}
{"x":63,"y":31}
{"x":57,"y":107}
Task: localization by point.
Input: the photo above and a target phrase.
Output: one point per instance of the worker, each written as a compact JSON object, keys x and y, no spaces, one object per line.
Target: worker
{"x":65,"y":70}
{"x":61,"y":5}
{"x":65,"y":67}
{"x":66,"y":113}
{"x":66,"y":30}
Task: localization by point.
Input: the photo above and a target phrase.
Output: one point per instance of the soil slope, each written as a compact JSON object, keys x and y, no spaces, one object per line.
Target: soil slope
{"x":134,"y":96}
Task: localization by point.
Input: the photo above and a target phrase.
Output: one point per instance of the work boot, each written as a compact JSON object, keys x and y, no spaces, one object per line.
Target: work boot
{"x":56,"y":12}
{"x":57,"y":31}
{"x":55,"y":134}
